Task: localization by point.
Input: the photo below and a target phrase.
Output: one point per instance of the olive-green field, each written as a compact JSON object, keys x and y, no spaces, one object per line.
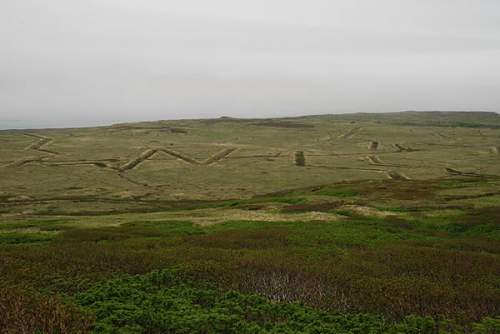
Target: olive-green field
{"x":72,"y":170}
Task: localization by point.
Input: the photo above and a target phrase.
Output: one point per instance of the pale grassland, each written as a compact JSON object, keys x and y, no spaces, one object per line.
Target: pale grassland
{"x":79,"y":169}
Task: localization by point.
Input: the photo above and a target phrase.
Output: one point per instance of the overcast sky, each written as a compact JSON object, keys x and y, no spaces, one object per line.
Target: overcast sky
{"x":86,"y":62}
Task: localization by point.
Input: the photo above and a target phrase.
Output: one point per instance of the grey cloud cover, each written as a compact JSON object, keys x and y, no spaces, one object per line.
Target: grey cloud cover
{"x":70,"y":63}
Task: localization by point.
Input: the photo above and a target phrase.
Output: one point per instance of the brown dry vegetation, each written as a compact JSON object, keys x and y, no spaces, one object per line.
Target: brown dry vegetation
{"x":26,"y":313}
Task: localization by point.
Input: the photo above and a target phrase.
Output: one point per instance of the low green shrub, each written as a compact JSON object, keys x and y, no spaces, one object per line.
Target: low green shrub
{"x":168,"y":302}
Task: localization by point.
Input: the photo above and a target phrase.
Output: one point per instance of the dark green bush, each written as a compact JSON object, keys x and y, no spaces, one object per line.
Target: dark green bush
{"x":167,"y":302}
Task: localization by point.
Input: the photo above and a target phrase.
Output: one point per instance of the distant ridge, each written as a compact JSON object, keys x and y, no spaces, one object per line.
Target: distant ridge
{"x":475,"y":119}
{"x":452,"y":111}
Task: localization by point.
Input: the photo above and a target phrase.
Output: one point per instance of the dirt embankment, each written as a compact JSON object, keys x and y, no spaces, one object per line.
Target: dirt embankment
{"x":455,"y":172}
{"x":397,"y":176}
{"x":180,"y":156}
{"x":150,"y":152}
{"x":135,"y":162}
{"x":401,"y":148}
{"x":40,"y":143}
{"x":351,"y":133}
{"x":23,"y":162}
{"x":374,"y":160}
{"x":219,"y":155}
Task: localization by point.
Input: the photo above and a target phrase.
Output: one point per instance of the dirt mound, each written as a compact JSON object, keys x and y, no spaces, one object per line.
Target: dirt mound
{"x":373,"y":146}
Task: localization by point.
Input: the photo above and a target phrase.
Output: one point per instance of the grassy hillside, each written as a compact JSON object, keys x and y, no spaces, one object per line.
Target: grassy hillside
{"x":211,"y":226}
{"x":141,"y":167}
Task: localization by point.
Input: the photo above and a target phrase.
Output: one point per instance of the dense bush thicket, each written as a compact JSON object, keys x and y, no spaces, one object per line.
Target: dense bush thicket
{"x":164,"y":302}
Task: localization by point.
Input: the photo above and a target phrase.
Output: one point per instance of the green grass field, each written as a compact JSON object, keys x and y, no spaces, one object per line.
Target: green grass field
{"x":210,"y":226}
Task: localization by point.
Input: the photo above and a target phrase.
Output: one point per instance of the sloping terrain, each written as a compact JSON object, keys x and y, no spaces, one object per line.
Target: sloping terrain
{"x":211,"y":226}
{"x":233,"y":158}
